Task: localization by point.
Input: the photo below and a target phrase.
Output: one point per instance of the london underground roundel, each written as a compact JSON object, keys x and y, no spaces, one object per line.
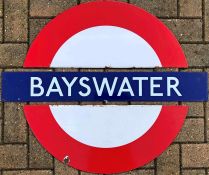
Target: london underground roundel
{"x":105,"y":138}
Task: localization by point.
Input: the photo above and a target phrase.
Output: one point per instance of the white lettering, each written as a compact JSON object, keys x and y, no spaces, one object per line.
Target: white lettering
{"x":106,"y":87}
{"x":69,"y":85}
{"x":122,"y":89}
{"x":172,"y":86}
{"x":37,"y":86}
{"x":105,"y":83}
{"x":153,"y":86}
{"x":88,"y":89}
{"x":57,"y":88}
{"x":140,"y":79}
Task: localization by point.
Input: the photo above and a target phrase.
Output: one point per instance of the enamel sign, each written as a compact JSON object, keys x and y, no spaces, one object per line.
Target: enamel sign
{"x":105,"y":138}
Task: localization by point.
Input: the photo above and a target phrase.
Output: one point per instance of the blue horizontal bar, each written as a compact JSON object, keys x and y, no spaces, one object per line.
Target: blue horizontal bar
{"x":86,"y":86}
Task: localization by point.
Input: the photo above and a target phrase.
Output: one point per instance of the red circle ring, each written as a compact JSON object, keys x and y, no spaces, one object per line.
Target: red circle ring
{"x":156,"y":139}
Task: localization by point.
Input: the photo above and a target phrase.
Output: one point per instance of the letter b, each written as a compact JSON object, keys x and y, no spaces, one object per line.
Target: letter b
{"x":34,"y":86}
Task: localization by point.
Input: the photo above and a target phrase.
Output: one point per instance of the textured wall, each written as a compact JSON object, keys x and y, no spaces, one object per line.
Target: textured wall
{"x":21,"y":20}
